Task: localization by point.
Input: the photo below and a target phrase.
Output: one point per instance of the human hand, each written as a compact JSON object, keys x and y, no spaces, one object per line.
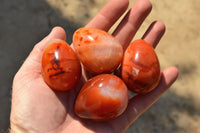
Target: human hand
{"x":38,"y":109}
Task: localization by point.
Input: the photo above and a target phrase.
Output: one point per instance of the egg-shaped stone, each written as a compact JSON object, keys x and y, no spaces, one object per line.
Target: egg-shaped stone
{"x":102,"y":98}
{"x":61,"y":69}
{"x":140,"y":67}
{"x":98,"y":51}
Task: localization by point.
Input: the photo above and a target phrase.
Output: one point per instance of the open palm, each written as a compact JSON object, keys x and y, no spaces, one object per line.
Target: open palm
{"x":38,"y":109}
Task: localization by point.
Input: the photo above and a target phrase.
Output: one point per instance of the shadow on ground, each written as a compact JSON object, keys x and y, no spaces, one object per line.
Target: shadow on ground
{"x":24,"y":23}
{"x":165,"y":116}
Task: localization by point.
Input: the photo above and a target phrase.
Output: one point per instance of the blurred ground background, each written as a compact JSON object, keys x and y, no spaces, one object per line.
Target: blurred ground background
{"x":25,"y":22}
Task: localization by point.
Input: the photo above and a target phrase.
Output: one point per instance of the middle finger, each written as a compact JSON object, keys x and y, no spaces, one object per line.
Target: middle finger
{"x":132,"y":21}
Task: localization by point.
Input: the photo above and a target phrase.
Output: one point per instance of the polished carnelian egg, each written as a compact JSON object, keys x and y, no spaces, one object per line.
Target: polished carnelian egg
{"x":98,"y":51}
{"x":61,"y":69}
{"x":102,"y":98}
{"x":140,"y":67}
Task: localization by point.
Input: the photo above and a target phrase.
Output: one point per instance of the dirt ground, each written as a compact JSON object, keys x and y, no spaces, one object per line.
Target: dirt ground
{"x":23,"y":23}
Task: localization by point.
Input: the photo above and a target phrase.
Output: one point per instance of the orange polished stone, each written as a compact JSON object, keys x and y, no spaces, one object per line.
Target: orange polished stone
{"x":98,"y":51}
{"x":102,"y":98}
{"x":140,"y":67}
{"x":61,"y":69}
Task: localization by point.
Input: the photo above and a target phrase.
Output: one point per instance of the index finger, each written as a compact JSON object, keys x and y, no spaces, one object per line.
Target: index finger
{"x":110,"y":13}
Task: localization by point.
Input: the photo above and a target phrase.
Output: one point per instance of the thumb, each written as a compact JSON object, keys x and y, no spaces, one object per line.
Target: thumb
{"x":56,"y":33}
{"x":33,"y":62}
